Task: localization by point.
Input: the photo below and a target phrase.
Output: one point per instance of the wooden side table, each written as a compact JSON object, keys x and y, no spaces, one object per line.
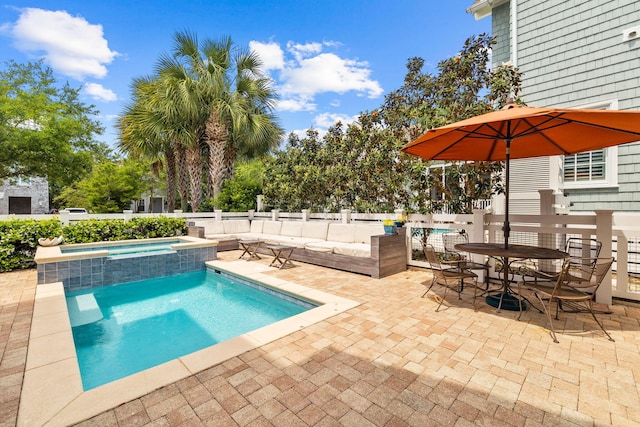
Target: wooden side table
{"x":250,"y":248}
{"x":281,"y":255}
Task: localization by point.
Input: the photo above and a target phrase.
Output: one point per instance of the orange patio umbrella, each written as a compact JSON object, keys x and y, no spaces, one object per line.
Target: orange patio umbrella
{"x":516,"y":132}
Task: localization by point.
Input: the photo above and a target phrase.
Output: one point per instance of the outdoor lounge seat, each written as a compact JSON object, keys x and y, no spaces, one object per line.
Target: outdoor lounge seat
{"x":449,"y":275}
{"x":577,"y":284}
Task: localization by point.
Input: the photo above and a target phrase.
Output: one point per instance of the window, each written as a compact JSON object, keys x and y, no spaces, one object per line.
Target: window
{"x":590,"y":166}
{"x":598,"y":168}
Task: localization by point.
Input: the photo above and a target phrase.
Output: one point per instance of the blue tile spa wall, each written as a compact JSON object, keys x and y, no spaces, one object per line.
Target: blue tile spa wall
{"x":95,"y":272}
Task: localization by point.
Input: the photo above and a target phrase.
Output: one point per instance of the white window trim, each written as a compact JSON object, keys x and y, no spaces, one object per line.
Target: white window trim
{"x":611,"y":173}
{"x":611,"y":153}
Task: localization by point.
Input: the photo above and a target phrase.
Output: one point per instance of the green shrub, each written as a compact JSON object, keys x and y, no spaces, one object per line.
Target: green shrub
{"x":95,"y":230}
{"x":19,"y":238}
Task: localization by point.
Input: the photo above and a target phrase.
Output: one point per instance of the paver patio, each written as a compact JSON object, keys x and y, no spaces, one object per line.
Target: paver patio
{"x":391,"y":361}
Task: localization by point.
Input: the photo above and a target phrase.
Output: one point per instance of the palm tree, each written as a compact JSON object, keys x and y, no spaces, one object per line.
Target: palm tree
{"x":209,"y":99}
{"x":147,"y":129}
{"x":237,"y":102}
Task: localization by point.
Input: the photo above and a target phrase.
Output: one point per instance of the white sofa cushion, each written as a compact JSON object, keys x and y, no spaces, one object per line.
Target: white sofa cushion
{"x":291,"y":228}
{"x":256,"y":226}
{"x":236,"y":226}
{"x":365,"y":231}
{"x":352,"y":249}
{"x":343,"y":233}
{"x":298,"y":242}
{"x":272,"y":227}
{"x":221,"y":237}
{"x":315,"y":230}
{"x":213,"y":227}
{"x":320,"y":246}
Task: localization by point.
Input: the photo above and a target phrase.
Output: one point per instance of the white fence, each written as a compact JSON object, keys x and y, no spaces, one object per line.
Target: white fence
{"x":618,"y":232}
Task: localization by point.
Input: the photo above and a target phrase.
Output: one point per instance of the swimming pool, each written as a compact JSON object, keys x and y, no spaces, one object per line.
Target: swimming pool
{"x":123,"y":329}
{"x":52,"y":391}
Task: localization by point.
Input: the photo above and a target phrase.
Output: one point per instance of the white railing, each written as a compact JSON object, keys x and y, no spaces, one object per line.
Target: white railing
{"x":618,"y":232}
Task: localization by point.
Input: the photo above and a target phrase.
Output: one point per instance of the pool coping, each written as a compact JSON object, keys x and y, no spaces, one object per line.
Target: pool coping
{"x":52,"y":392}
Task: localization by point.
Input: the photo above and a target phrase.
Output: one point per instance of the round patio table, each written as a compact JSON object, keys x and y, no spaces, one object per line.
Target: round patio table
{"x":507,"y":299}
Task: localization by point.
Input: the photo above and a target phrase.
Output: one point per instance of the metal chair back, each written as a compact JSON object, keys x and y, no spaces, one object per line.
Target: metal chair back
{"x":450,"y":240}
{"x":583,"y":248}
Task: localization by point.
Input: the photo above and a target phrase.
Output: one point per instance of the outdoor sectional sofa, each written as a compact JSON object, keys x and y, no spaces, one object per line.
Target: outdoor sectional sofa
{"x":356,"y":247}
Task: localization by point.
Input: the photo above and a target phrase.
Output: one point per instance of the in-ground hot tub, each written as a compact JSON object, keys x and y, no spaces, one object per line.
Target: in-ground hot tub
{"x":88,"y":265}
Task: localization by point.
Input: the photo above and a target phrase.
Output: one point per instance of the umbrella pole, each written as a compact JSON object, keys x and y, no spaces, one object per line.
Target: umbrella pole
{"x":506,"y":228}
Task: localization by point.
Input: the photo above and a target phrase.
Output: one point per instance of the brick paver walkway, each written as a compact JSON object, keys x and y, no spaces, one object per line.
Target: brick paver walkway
{"x":392,"y":361}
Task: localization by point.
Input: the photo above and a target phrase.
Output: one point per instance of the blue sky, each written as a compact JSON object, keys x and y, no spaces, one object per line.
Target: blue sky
{"x":329,"y":59}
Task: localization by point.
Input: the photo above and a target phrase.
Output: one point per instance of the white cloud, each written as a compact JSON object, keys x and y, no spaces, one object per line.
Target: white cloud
{"x":99,"y":92}
{"x":270,"y":53}
{"x":304,"y":71}
{"x":325,"y":120}
{"x":301,"y":51}
{"x":302,"y":133}
{"x":69,"y":44}
{"x":298,"y":104}
{"x":328,"y":72}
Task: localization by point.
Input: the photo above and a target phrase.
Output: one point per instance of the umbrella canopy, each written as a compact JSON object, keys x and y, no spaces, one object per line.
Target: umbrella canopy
{"x":534,"y":132}
{"x":520,"y":132}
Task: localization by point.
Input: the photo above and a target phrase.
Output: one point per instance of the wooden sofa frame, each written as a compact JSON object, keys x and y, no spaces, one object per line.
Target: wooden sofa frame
{"x":388,"y":254}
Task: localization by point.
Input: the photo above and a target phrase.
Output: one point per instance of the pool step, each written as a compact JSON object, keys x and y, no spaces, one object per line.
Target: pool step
{"x":83,"y":309}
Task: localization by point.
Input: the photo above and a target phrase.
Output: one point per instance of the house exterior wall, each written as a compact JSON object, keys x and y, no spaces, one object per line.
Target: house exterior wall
{"x":35,"y":188}
{"x":572,"y":54}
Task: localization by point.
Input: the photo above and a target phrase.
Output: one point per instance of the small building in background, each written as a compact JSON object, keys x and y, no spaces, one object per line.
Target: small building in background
{"x":27,"y":196}
{"x":148,"y":204}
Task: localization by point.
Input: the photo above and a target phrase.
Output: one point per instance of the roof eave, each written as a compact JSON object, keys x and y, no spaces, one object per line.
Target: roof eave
{"x":482,"y":8}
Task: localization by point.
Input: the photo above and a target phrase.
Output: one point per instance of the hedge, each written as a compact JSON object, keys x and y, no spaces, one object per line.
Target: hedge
{"x":19,"y":237}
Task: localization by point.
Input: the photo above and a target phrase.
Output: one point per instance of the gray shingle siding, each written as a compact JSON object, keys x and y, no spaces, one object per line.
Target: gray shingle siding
{"x":500,"y":29}
{"x":571,"y":54}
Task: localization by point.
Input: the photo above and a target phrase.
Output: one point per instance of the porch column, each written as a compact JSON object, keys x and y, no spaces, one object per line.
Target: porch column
{"x":604,"y":233}
{"x":476,"y":234}
{"x":546,"y":240}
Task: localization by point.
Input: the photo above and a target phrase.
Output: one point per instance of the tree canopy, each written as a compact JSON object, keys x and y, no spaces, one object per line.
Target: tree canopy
{"x":109,"y":188}
{"x":45,"y":130}
{"x":360,"y":166}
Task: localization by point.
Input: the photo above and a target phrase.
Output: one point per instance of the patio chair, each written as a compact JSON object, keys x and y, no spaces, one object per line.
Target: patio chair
{"x":577,"y":284}
{"x":577,"y":248}
{"x":450,"y":240}
{"x":448,"y":274}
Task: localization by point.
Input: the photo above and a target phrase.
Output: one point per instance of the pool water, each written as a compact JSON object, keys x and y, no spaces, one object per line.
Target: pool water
{"x":137,"y":248}
{"x":123,"y":329}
